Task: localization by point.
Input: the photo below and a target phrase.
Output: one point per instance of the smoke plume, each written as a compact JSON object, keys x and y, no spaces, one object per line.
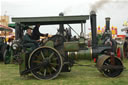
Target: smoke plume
{"x":67,"y":10}
{"x":99,"y":4}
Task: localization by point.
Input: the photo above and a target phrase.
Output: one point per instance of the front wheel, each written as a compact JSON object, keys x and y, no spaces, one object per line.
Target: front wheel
{"x":110,"y":66}
{"x":45,"y":62}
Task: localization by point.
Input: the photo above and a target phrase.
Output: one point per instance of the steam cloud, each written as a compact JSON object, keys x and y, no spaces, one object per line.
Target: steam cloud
{"x":67,"y":10}
{"x":99,"y":4}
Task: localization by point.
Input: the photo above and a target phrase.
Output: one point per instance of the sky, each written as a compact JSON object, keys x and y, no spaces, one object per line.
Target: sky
{"x":117,"y":10}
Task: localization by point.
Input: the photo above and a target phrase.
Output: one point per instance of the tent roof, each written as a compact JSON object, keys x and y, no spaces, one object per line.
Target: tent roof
{"x":5,"y":28}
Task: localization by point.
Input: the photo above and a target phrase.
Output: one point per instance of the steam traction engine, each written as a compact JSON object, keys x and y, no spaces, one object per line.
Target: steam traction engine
{"x":56,"y":55}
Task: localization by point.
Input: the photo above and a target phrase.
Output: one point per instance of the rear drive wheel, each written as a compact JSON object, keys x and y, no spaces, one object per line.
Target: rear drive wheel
{"x":46,"y":63}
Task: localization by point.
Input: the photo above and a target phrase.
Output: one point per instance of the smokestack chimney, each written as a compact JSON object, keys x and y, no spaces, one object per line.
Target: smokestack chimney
{"x":61,"y":14}
{"x":61,"y":26}
{"x":107,"y":24}
{"x":107,"y":30}
{"x":93,"y":28}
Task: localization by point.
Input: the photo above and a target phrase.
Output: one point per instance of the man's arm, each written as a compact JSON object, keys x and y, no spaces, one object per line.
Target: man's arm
{"x":41,"y":34}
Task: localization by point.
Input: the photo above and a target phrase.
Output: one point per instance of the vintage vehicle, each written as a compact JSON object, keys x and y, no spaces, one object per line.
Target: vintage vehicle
{"x":106,"y":39}
{"x":57,"y":53}
{"x":3,"y":43}
{"x":3,"y":46}
{"x":125,"y":44}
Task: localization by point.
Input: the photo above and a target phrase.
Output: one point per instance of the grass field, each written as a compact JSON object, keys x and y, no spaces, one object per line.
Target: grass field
{"x":78,"y":76}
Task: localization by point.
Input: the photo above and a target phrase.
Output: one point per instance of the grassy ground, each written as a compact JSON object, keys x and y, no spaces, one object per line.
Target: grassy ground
{"x":78,"y":76}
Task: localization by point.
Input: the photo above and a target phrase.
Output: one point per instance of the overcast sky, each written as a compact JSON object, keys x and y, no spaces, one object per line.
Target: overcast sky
{"x":116,"y":9}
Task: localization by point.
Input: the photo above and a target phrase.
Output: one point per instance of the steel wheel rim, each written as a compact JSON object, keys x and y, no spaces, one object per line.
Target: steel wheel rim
{"x":49,"y":71}
{"x":112,"y":72}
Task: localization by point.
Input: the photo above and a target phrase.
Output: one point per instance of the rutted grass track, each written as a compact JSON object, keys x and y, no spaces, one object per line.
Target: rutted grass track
{"x":9,"y":75}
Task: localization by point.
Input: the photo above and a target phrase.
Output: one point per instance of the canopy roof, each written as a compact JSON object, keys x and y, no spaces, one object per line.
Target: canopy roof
{"x":51,"y":20}
{"x":5,"y":28}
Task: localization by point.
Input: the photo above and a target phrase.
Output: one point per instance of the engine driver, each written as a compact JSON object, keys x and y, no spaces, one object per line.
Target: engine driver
{"x":28,"y":41}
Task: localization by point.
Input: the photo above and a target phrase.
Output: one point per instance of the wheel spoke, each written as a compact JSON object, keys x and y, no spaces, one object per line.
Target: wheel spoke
{"x":42,"y":54}
{"x":45,"y":71}
{"x":54,"y":68}
{"x":54,"y":64}
{"x":49,"y":71}
{"x":51,"y":55}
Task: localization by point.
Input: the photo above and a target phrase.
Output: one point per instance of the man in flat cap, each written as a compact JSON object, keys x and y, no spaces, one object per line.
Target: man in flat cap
{"x":28,"y":41}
